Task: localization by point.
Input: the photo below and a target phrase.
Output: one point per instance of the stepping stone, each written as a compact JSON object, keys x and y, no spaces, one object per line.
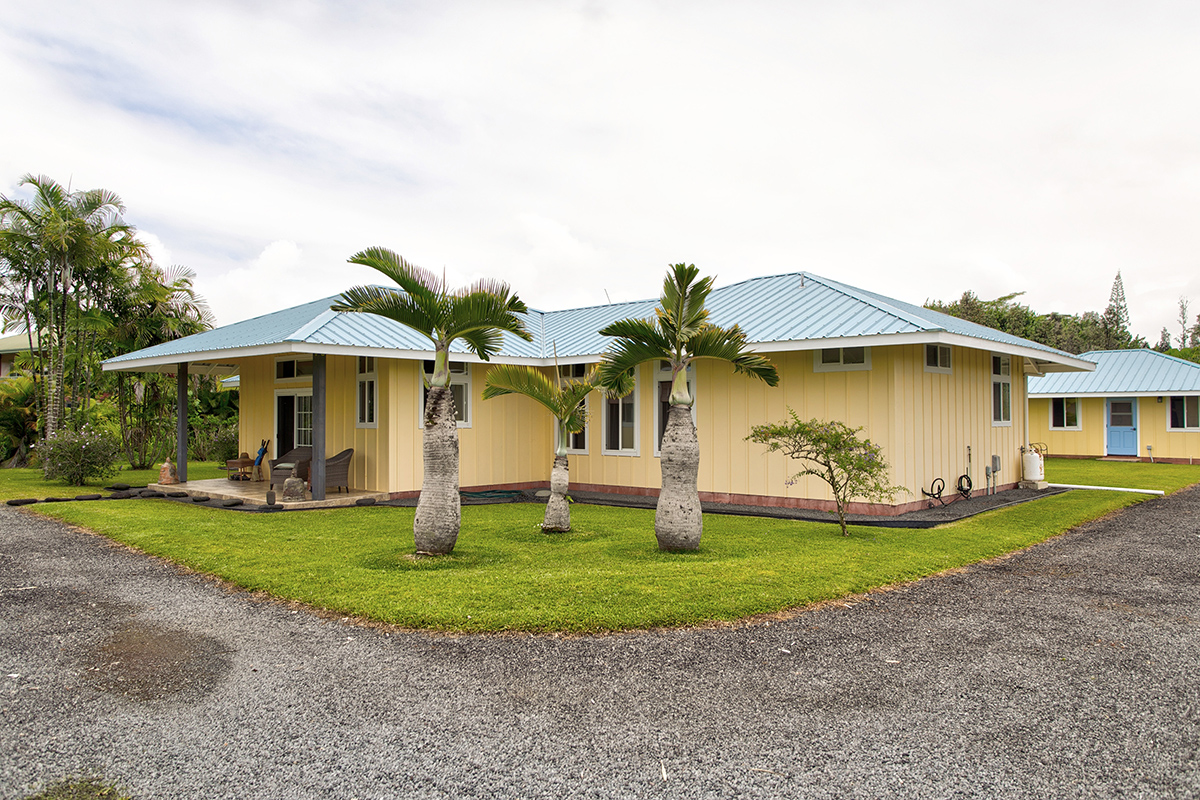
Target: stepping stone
{"x":231,"y":503}
{"x":119,"y":496}
{"x":87,"y":497}
{"x":177,"y":494}
{"x":152,"y":494}
{"x":365,"y":501}
{"x":57,"y":500}
{"x":24,"y":501}
{"x":117,"y":487}
{"x":200,"y":498}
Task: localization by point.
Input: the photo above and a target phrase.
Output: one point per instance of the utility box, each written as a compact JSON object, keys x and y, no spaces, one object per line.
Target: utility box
{"x":995,"y":464}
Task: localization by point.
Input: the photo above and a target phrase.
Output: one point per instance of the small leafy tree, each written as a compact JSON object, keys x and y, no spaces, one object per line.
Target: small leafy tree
{"x":833,"y":452}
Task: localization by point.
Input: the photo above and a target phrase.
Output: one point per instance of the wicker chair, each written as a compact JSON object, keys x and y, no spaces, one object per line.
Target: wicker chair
{"x":337,"y":470}
{"x":281,"y":468}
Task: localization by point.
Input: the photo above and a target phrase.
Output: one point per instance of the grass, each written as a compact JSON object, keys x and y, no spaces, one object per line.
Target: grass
{"x":606,"y":574}
{"x":81,"y":788}
{"x":15,"y":483}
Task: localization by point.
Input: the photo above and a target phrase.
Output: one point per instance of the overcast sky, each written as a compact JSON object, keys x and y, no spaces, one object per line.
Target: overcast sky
{"x":575,"y":149}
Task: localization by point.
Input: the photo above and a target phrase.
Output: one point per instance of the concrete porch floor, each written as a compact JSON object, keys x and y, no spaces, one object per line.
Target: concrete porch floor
{"x":254,"y":493}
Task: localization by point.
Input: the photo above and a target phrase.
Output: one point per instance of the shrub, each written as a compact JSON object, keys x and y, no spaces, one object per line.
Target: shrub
{"x":214,"y":439}
{"x":75,"y":456}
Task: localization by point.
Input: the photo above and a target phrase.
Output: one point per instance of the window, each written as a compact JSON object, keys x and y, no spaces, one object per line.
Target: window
{"x":937,"y":358}
{"x":1064,"y":413}
{"x":620,"y":424}
{"x":290,"y":368}
{"x":1185,"y":413}
{"x":576,"y":442}
{"x":367,"y":392}
{"x":460,"y":388}
{"x":1001,"y":390}
{"x":842,"y":359}
{"x":304,"y":420}
{"x":662,"y":408}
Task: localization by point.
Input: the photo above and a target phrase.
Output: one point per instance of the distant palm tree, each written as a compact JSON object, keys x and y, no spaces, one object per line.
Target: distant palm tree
{"x":57,"y":252}
{"x":565,"y":402}
{"x":478,"y":315}
{"x":679,"y":334}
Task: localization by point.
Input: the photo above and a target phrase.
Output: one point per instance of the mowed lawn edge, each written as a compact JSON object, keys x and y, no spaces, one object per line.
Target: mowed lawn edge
{"x":605,"y":575}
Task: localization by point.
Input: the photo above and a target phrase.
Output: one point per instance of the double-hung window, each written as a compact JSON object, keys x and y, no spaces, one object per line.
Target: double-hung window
{"x":1185,"y":413}
{"x":576,"y":442}
{"x":1064,"y":413}
{"x":368,"y":393}
{"x":460,"y":388}
{"x":1001,"y":390}
{"x":620,"y":423}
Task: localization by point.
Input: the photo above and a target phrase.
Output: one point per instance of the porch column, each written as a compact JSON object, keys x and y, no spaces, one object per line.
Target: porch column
{"x":181,"y":422}
{"x":317,"y":472}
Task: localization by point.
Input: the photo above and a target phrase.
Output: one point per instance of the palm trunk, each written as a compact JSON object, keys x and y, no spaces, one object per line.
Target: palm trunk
{"x":558,"y":510}
{"x":678,"y":522}
{"x":435,"y":527}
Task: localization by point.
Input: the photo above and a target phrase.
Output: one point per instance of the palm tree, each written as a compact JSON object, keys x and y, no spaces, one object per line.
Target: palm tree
{"x":56,"y":251}
{"x":679,"y":334}
{"x":565,"y":402}
{"x":478,"y":315}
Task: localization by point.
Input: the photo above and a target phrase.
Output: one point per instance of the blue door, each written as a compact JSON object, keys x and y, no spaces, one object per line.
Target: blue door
{"x":1122,"y":426}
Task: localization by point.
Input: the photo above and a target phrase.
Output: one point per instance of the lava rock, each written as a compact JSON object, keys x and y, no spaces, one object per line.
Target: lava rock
{"x":231,"y":503}
{"x":365,"y":501}
{"x":24,"y":501}
{"x":87,"y":497}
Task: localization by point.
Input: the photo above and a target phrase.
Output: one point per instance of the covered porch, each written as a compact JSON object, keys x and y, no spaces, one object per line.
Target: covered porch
{"x":254,"y":493}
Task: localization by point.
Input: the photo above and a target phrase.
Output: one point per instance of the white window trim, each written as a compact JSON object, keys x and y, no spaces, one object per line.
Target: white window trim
{"x":1185,"y":429}
{"x":637,"y":422}
{"x":940,"y":370}
{"x":297,"y":357}
{"x":1078,"y":426}
{"x":818,"y":366}
{"x":463,"y":378}
{"x":660,"y":375}
{"x":296,"y":392}
{"x":373,"y":377}
{"x":1002,"y":379}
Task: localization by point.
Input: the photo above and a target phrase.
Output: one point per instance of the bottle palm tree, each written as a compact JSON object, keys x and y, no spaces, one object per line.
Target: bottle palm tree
{"x":565,"y":402}
{"x":679,"y":334}
{"x":478,"y":315}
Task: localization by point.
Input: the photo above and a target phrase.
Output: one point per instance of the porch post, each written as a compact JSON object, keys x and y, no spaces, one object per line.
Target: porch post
{"x":317,"y":472}
{"x":181,"y":422}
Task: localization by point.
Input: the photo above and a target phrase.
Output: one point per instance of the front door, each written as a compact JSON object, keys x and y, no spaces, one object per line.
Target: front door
{"x":1122,"y":426}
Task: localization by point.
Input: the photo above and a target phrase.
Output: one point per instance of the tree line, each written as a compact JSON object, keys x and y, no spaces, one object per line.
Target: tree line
{"x":79,"y":285}
{"x":1073,"y":333}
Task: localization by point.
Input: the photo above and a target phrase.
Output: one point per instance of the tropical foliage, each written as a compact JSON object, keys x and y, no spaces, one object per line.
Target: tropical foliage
{"x":74,"y":456}
{"x":564,"y":400}
{"x":1069,"y":332}
{"x":478,"y":316}
{"x":835,"y":453}
{"x":679,"y":335}
{"x":79,"y":284}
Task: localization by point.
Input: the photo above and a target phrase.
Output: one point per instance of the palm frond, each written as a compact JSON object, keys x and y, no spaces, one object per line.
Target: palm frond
{"x":640,"y":330}
{"x":729,"y":344}
{"x":417,"y":281}
{"x":388,"y":303}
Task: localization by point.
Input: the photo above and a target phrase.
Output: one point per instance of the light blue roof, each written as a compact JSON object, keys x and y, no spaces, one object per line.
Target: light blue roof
{"x":794,"y":311}
{"x":1122,"y":372}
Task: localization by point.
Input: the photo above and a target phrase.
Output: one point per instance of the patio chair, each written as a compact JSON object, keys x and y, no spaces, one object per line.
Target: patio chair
{"x":281,"y":468}
{"x":337,"y":470}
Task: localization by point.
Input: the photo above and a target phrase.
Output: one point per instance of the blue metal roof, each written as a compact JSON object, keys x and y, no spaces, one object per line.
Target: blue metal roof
{"x":1122,"y":372}
{"x":794,"y":308}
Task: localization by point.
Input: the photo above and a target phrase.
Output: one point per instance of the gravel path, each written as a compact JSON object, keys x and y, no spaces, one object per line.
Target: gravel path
{"x":1069,"y":670}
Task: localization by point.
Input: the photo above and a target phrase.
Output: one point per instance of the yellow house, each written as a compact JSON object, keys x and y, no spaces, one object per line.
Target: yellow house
{"x":941,"y":395}
{"x":1136,"y":404}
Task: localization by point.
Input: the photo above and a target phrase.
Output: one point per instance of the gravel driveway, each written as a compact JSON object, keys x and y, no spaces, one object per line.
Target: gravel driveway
{"x":1069,"y":670}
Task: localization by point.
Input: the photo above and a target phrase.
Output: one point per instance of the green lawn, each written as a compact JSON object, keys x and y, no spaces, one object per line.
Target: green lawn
{"x":16,"y":483}
{"x":607,"y":574}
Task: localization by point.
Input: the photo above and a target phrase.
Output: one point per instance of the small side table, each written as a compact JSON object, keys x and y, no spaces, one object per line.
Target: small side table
{"x":242,"y":465}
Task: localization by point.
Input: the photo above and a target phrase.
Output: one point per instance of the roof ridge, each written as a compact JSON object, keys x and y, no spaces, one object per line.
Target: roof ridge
{"x":876,"y":300}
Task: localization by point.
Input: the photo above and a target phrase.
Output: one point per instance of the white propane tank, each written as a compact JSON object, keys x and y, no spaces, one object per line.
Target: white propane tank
{"x":1033,"y":467}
